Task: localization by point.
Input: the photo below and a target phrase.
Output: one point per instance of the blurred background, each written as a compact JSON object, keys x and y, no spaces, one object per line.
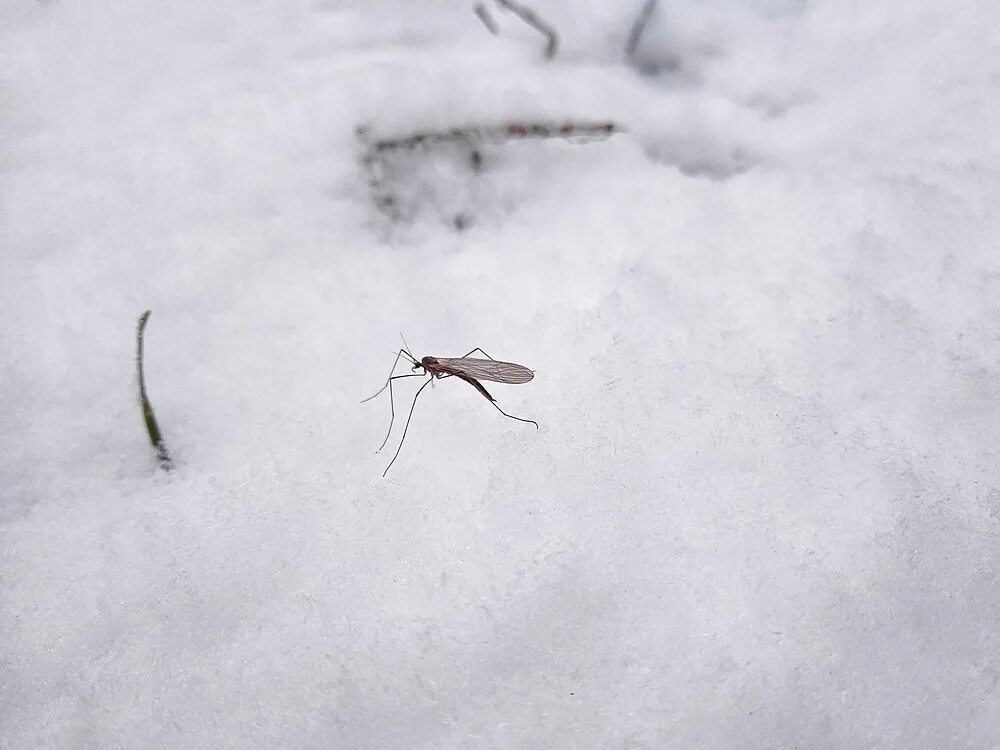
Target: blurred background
{"x":749,"y":250}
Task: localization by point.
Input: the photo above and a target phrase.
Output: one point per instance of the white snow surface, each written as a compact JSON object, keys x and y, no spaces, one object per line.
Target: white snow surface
{"x":763,"y":504}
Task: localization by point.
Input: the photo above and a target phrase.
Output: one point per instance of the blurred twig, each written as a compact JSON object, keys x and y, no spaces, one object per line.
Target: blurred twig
{"x":155,"y":438}
{"x":484,"y":15}
{"x":380,"y":150}
{"x":510,"y":131}
{"x":531,"y":18}
{"x":638,"y":29}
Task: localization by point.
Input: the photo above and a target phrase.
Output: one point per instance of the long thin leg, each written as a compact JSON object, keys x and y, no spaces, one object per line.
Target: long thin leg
{"x":399,"y":354}
{"x":407,"y":347}
{"x":479,"y":387}
{"x":407,"y":427}
{"x":488,"y":398}
{"x":519,"y":419}
{"x":392,"y":406}
{"x":477,"y":349}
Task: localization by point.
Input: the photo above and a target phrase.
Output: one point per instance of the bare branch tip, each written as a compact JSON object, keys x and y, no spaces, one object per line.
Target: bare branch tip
{"x":531,"y":18}
{"x":638,"y":29}
{"x":484,"y":15}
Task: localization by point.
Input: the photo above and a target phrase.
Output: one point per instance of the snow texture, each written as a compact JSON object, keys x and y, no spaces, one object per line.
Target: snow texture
{"x":763,"y":506}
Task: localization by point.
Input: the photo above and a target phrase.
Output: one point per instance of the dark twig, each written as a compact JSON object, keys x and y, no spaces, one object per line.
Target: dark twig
{"x":155,"y":438}
{"x":381,"y":151}
{"x":638,"y":29}
{"x":495,"y":133}
{"x":484,"y":15}
{"x":531,"y":18}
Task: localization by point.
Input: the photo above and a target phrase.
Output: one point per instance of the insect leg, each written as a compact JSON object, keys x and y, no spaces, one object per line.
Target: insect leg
{"x":519,"y":419}
{"x":479,"y":387}
{"x":399,"y":354}
{"x":406,"y":427}
{"x":392,"y":407}
{"x":407,"y":347}
{"x":477,"y":349}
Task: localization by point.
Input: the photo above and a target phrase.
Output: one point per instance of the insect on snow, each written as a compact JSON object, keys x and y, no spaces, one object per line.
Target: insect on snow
{"x":466,"y":368}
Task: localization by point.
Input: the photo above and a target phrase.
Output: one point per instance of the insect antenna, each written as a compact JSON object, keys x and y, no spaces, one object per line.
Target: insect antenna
{"x":406,"y":347}
{"x":392,"y":376}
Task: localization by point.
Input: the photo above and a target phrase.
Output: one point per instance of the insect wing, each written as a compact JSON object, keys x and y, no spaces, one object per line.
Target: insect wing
{"x":488,"y":369}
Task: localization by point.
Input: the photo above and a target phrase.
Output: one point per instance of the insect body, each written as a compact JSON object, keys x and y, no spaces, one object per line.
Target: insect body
{"x":466,"y":368}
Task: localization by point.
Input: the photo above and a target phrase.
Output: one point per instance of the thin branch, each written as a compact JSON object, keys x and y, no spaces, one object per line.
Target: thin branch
{"x":497,"y":133}
{"x":155,"y":438}
{"x":484,"y":15}
{"x":380,"y":152}
{"x":638,"y":29}
{"x":531,"y":18}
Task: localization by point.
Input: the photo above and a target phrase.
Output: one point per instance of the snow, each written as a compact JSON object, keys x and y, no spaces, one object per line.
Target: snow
{"x":762,"y":509}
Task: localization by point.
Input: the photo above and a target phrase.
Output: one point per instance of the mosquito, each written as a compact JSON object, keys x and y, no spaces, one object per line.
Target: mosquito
{"x":467,"y":368}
